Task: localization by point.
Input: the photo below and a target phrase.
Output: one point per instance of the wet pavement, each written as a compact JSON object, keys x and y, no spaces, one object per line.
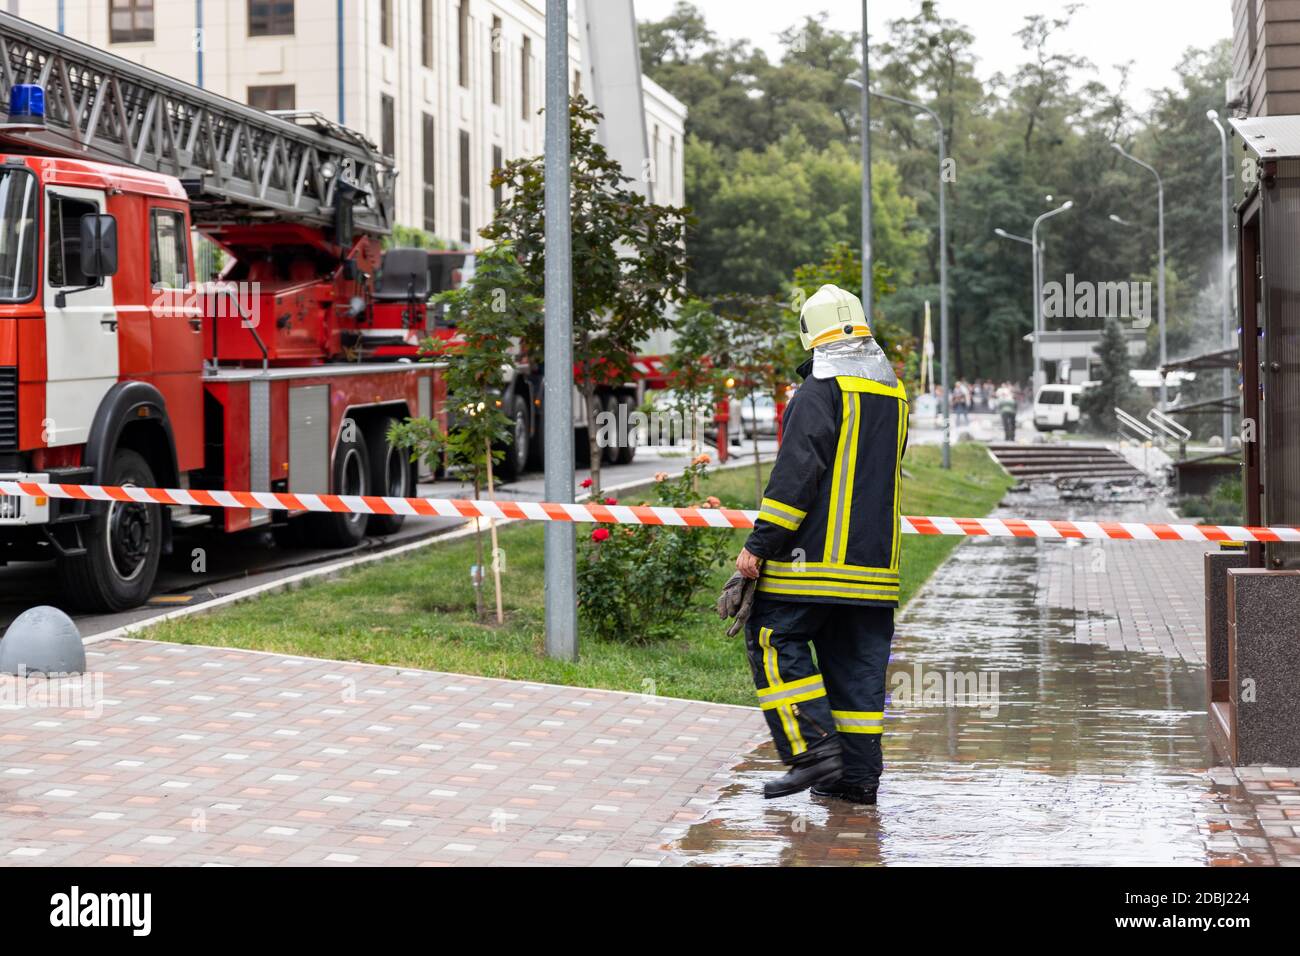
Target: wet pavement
{"x":1047,"y":706}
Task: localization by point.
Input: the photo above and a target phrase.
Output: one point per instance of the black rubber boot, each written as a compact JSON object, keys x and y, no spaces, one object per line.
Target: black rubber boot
{"x":848,"y":792}
{"x":810,"y":768}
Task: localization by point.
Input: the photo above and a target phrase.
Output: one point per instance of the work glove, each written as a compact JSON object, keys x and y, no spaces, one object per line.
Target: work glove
{"x":736,"y":601}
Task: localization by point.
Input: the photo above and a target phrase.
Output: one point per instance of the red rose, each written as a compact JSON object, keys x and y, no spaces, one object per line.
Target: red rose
{"x":600,"y":534}
{"x":611,"y":501}
{"x":586,"y":482}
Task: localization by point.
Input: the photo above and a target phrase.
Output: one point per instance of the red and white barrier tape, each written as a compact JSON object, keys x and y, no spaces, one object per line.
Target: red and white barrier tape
{"x":630,"y":514}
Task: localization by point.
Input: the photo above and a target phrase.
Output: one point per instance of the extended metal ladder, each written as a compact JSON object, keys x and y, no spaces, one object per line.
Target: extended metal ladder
{"x":238,"y":163}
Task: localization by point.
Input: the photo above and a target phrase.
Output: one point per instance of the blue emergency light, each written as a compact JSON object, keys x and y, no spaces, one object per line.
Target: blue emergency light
{"x":27,"y":104}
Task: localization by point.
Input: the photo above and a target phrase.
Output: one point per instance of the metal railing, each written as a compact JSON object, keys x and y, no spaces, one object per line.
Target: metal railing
{"x":1131,"y":427}
{"x":1170,"y":429}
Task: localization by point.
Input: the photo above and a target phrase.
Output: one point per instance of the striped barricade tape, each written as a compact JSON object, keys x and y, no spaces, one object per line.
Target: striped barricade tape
{"x":632,"y":514}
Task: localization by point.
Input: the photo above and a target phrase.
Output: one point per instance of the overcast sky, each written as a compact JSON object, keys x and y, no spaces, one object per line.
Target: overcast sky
{"x":1151,"y":33}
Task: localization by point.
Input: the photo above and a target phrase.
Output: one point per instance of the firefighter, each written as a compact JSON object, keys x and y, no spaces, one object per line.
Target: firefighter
{"x":825,"y":553}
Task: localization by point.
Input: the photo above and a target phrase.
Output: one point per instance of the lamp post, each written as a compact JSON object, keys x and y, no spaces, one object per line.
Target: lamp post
{"x":1039,"y":323}
{"x":1033,"y":259}
{"x":1213,"y":117}
{"x":943,"y":261}
{"x":1160,"y":221}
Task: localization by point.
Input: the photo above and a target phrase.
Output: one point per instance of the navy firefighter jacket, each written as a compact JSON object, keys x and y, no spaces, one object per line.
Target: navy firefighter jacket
{"x":828,"y":526}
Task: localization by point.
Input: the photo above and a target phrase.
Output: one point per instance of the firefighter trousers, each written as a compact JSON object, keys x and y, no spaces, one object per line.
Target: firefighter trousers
{"x":841,"y":692}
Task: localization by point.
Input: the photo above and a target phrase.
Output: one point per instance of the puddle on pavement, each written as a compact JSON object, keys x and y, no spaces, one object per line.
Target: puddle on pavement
{"x":1060,"y":753}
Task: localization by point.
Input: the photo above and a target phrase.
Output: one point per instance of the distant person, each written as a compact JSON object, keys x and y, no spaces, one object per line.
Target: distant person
{"x":1007,"y":408}
{"x":961,"y":401}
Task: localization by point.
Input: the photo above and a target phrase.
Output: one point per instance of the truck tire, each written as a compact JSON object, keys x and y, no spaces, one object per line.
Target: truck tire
{"x":349,"y":476}
{"x":627,"y":451}
{"x":392,"y":474}
{"x":123,"y":546}
{"x":609,"y":454}
{"x":518,"y":448}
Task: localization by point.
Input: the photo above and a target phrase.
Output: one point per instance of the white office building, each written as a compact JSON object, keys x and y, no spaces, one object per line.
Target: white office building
{"x":450,"y":88}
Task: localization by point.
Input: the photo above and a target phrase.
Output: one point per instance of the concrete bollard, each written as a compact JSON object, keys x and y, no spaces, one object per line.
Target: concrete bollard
{"x":42,"y":640}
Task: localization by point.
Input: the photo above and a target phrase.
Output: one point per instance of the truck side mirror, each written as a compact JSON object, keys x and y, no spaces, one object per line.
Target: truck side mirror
{"x":98,"y":245}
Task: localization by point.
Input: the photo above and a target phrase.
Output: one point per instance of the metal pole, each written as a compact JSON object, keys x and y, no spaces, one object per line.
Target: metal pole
{"x":1164,"y":352}
{"x":1227,"y":276}
{"x":1160,"y":225}
{"x":1040,"y":323}
{"x":557,"y":412}
{"x":868,"y":290}
{"x":943,"y":302}
{"x":1033,"y":256}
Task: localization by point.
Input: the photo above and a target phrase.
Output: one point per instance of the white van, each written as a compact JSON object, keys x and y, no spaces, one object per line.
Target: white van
{"x":1057,"y":406}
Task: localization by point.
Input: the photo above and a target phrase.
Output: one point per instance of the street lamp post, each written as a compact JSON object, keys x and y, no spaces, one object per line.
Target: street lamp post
{"x":1033,"y":259}
{"x":1160,"y":225}
{"x":1213,"y":117}
{"x":943,"y":261}
{"x":1039,"y":323}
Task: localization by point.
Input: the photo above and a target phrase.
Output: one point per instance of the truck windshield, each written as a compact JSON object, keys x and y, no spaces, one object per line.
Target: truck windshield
{"x":18,"y":208}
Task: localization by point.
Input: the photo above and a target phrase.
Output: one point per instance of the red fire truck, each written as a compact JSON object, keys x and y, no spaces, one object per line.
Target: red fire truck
{"x":118,"y":368}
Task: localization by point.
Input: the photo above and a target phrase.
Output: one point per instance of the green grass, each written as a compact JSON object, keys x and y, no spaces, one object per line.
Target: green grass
{"x":418,"y":611}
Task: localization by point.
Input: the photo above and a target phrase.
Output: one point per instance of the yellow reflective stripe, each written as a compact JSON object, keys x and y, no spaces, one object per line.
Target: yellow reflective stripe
{"x":778,"y":688}
{"x":769,"y":656}
{"x":858,"y":721}
{"x":850,"y":383}
{"x":859,"y":730}
{"x":782,"y":509}
{"x":898,"y":472}
{"x":830,"y":590}
{"x":835,"y":333}
{"x":788,"y":510}
{"x":777,"y":520}
{"x":811,"y":694}
{"x":835,"y":515}
{"x":846,"y":576}
{"x":825,"y":569}
{"x":850,"y":481}
{"x":859,"y":714}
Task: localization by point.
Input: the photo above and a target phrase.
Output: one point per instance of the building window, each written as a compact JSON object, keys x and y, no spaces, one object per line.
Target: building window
{"x":462,"y":42}
{"x":498,"y":160}
{"x":465,"y":232}
{"x":130,"y":21}
{"x":270,"y":18}
{"x":281,"y":97}
{"x":388,"y":125}
{"x":386,"y":22}
{"x":672,"y":168}
{"x":426,"y":33}
{"x":496,"y":61}
{"x":577,"y":82}
{"x":169,"y":264}
{"x":525,"y":60}
{"x":430,"y":179}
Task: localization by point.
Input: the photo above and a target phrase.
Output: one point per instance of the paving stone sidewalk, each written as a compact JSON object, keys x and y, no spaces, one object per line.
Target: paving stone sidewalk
{"x":200,"y":755}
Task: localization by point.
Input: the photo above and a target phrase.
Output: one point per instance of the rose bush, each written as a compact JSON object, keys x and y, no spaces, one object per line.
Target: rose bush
{"x":637,"y":582}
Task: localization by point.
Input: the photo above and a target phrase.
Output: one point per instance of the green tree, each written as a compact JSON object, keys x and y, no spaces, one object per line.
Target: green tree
{"x":492,"y":311}
{"x":1114,"y":388}
{"x":628,"y":258}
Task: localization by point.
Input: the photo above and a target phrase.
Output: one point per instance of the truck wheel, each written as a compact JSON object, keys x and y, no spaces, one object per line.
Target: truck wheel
{"x":517,"y":449}
{"x":392,"y":474}
{"x":627,"y":451}
{"x":609,"y":454}
{"x":350,"y":476}
{"x":123,"y":546}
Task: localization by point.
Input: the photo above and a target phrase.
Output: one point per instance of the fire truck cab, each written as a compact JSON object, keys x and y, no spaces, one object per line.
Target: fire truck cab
{"x":118,"y":368}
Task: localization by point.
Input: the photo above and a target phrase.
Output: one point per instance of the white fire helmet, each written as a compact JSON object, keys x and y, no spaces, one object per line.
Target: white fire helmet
{"x":832,"y":315}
